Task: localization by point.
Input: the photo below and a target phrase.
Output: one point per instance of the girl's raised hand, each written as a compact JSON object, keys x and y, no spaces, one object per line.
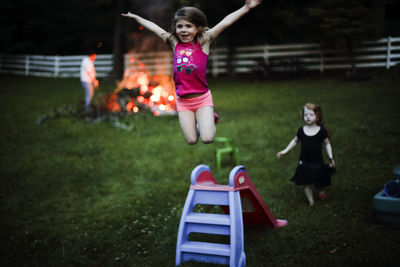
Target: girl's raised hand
{"x":129,"y":15}
{"x":252,"y":3}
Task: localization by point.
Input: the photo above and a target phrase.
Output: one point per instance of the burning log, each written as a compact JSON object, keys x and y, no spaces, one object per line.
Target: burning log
{"x":139,"y":91}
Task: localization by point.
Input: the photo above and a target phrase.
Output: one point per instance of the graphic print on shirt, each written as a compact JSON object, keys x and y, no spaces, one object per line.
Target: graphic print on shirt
{"x":184,"y":61}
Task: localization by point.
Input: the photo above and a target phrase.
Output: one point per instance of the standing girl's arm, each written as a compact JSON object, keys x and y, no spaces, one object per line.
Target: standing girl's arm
{"x":92,"y":74}
{"x":160,"y":32}
{"x":231,"y":18}
{"x":328,"y":149}
{"x":291,"y":145}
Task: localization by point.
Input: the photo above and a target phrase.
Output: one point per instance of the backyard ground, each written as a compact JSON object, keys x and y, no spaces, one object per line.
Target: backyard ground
{"x":75,"y":192}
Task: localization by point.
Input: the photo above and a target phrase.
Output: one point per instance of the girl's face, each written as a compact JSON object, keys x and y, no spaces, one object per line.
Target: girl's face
{"x":186,"y":31}
{"x":309,"y":117}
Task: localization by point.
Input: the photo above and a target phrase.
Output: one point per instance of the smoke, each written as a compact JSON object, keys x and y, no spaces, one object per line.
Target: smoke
{"x":159,"y":12}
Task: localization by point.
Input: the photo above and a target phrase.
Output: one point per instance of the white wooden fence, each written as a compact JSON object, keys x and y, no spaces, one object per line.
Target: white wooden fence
{"x":52,"y":66}
{"x":383,"y":53}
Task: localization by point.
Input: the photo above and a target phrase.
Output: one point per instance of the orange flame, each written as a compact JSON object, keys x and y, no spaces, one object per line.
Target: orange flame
{"x":157,"y":91}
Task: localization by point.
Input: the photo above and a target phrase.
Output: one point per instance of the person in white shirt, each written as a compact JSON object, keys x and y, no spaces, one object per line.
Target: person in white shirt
{"x":88,"y":78}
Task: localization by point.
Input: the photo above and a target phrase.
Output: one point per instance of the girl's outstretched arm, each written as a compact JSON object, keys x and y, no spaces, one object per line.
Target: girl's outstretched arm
{"x":291,"y":145}
{"x":160,"y":32}
{"x":328,"y":149}
{"x":231,"y":18}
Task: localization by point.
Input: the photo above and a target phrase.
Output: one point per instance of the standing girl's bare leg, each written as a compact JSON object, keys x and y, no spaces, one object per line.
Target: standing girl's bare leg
{"x":309,"y":194}
{"x":89,"y":91}
{"x":187,"y":120}
{"x":205,"y":120}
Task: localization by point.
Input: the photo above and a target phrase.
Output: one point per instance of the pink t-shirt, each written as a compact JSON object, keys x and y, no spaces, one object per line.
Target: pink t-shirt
{"x":190,"y":65}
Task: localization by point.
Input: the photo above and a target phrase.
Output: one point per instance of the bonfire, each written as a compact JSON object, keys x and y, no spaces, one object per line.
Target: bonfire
{"x":139,"y":91}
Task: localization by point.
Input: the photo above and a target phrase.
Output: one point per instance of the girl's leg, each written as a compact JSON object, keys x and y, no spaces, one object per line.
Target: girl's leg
{"x":309,"y":194}
{"x":187,"y":120}
{"x":88,"y":93}
{"x":205,"y":120}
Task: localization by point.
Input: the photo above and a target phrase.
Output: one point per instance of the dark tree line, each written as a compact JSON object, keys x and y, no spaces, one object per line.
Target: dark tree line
{"x":76,"y":26}
{"x":73,"y":26}
{"x":55,"y":26}
{"x":347,"y":23}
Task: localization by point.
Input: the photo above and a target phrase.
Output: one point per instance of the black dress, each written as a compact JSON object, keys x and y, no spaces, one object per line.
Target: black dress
{"x":311,"y":168}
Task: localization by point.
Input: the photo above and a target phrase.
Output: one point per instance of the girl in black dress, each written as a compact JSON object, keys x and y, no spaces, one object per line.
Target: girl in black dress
{"x":311,"y":169}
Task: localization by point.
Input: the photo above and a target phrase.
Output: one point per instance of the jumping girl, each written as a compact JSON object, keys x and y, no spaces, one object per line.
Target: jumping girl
{"x":311,"y":168}
{"x":190,"y":40}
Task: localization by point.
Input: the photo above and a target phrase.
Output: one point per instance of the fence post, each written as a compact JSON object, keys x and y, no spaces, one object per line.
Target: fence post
{"x":27,"y":65}
{"x":214,"y":70}
{"x":266,"y":55}
{"x":56,"y":66}
{"x":321,"y":61}
{"x":388,"y":52}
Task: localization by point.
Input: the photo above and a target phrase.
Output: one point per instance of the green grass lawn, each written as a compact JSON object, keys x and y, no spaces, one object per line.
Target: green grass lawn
{"x":79,"y":193}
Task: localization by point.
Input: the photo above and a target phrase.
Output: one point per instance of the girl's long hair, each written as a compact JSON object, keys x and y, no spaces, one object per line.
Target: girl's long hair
{"x":193,"y":15}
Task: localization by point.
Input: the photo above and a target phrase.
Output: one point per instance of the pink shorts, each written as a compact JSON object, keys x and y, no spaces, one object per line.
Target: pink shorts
{"x":195,"y":103}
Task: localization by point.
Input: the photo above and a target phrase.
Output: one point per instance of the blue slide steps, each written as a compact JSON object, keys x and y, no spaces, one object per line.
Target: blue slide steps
{"x":205,"y":190}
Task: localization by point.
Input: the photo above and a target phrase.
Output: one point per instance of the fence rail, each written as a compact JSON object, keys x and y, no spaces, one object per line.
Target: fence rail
{"x":52,"y":66}
{"x":383,"y":53}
